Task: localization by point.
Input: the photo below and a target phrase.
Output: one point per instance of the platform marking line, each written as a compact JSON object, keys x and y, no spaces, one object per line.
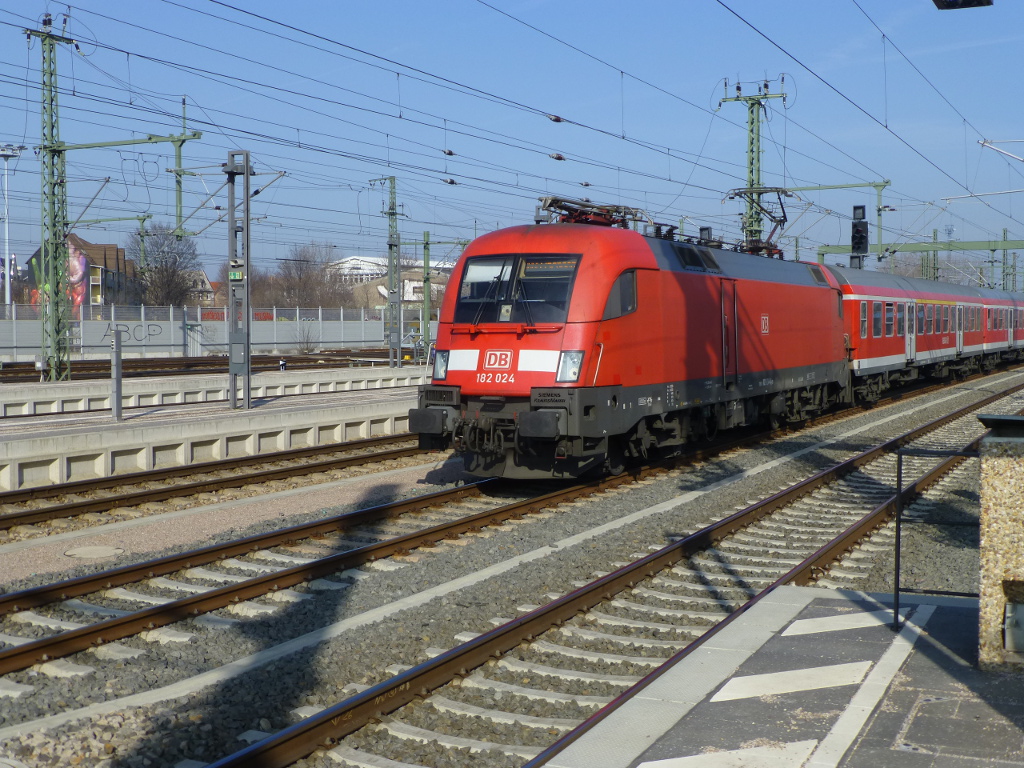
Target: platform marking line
{"x":790,"y":755}
{"x":793,"y":681}
{"x":838,"y":623}
{"x":849,"y":725}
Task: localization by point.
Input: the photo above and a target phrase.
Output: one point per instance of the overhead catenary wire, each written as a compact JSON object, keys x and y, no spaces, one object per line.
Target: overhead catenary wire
{"x":483,"y":180}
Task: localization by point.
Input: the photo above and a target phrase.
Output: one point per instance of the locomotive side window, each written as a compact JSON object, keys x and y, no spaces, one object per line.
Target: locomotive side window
{"x":689,"y":256}
{"x":876,"y":319}
{"x":888,"y":318}
{"x":708,"y":260}
{"x":516,"y":288}
{"x":817,"y":274}
{"x":863,"y":319}
{"x":622,"y":298}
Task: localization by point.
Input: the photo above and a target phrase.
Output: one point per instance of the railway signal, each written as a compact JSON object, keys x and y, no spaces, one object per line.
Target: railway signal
{"x":858,"y":237}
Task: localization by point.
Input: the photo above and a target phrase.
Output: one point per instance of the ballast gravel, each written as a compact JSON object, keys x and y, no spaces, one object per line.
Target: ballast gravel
{"x":206,"y":724}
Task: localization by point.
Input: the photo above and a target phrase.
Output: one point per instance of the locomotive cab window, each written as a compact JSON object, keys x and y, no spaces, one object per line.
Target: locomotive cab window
{"x":622,"y":298}
{"x":516,"y":288}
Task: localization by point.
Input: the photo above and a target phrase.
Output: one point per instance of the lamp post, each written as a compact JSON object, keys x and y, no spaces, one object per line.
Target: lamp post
{"x":7,"y":152}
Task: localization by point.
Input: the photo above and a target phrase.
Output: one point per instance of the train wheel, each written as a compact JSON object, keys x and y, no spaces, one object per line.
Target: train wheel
{"x":711,"y":423}
{"x":615,"y":461}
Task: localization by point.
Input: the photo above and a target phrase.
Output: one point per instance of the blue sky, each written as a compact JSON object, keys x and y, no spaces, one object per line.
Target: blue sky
{"x":337,"y":94}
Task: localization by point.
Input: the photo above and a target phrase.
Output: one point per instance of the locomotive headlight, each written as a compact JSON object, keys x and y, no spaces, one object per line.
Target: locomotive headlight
{"x":570,"y":364}
{"x":440,"y":364}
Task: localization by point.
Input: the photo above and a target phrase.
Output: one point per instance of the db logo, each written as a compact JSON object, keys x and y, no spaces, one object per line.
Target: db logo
{"x":498,"y":359}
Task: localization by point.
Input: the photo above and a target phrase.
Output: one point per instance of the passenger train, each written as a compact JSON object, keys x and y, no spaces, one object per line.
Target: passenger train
{"x":572,"y":347}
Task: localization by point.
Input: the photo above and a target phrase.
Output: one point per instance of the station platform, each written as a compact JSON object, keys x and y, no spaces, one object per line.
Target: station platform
{"x":46,"y":397}
{"x":815,"y":678}
{"x":171,"y":429}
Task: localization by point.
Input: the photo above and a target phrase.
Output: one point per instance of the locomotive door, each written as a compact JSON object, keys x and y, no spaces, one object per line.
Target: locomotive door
{"x":730,"y":334}
{"x":911,"y":331}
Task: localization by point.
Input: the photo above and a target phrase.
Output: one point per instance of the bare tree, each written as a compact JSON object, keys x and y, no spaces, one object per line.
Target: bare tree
{"x":166,"y":264}
{"x":261,"y":284}
{"x":306,"y":278}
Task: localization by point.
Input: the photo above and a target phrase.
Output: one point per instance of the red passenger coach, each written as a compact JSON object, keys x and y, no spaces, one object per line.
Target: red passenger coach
{"x":572,"y":347}
{"x":904,"y":328}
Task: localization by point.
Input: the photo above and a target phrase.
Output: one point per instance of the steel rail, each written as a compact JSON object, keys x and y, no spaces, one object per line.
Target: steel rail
{"x":23,"y":656}
{"x":156,"y":475}
{"x":135,"y":498}
{"x":327,"y":727}
{"x":161,"y":367}
{"x":106,"y":631}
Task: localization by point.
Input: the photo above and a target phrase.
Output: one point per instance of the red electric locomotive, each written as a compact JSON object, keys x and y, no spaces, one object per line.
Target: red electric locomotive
{"x":569,"y":348}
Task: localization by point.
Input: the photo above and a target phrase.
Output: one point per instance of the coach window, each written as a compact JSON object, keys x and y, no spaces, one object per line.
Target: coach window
{"x":888,"y":318}
{"x":876,"y":319}
{"x":899,"y":318}
{"x":622,"y":299}
{"x":863,"y":319}
{"x":920,"y":319}
{"x":928,"y":318}
{"x":945,"y":318}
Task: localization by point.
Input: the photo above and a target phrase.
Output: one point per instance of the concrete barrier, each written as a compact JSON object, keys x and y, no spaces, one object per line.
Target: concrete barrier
{"x":75,"y":397}
{"x":102,"y":448}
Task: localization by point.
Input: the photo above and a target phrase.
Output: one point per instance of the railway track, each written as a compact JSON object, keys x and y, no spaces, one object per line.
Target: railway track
{"x":32,"y":506}
{"x":502,"y":698}
{"x":176,"y":366}
{"x":282,"y":576}
{"x":38,"y":505}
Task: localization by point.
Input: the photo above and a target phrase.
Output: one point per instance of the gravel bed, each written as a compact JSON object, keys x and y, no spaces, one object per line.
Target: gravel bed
{"x":207,"y":724}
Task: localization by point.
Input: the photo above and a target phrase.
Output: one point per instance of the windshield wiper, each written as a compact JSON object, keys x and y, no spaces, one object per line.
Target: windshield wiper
{"x":494,"y":283}
{"x":521,"y":296}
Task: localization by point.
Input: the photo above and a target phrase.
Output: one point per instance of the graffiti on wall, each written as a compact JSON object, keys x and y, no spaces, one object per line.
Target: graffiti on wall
{"x":139,"y":333}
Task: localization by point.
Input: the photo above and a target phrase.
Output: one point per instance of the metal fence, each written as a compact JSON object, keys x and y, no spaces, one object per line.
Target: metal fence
{"x":200,"y":331}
